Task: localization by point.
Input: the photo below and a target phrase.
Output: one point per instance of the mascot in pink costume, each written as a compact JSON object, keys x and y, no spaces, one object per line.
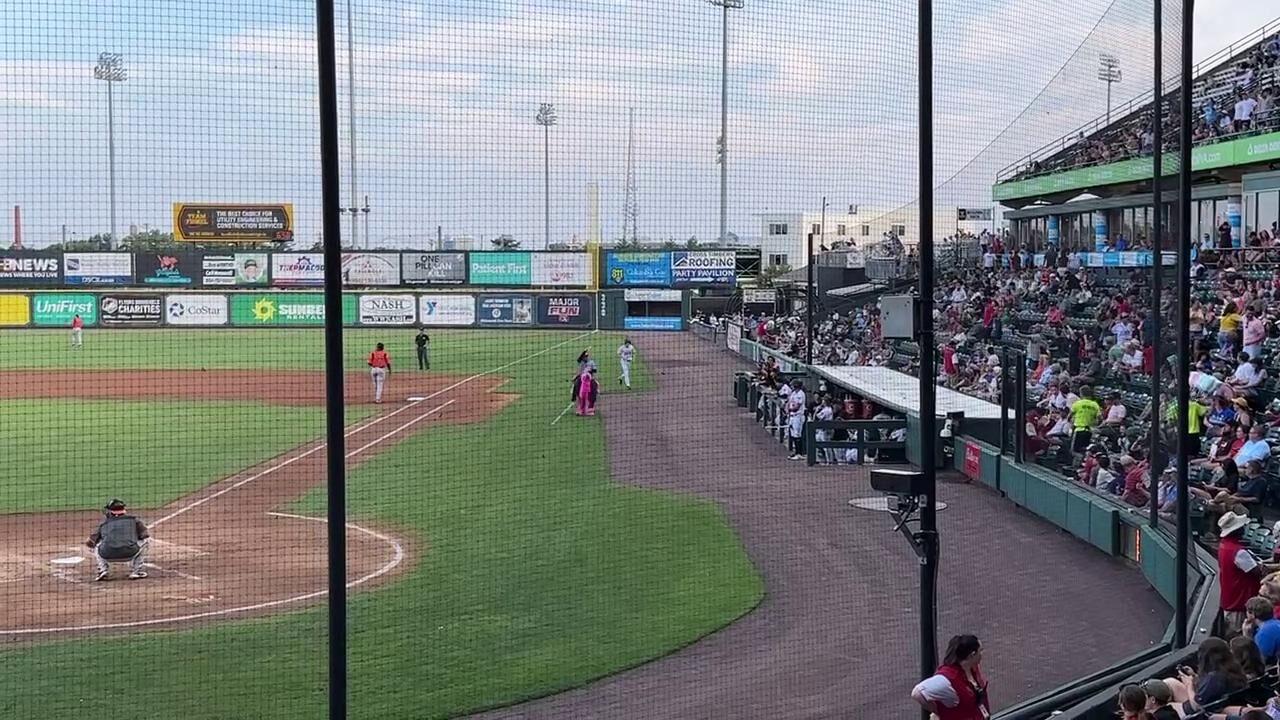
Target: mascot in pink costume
{"x":585,"y":391}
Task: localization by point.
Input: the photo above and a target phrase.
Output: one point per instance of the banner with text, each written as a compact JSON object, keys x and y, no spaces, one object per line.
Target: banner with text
{"x":272,"y":309}
{"x":59,"y":309}
{"x":206,"y":310}
{"x":500,"y":268}
{"x":97,"y":268}
{"x":565,"y":310}
{"x":653,"y":323}
{"x":19,"y":268}
{"x":703,"y":267}
{"x":387,"y":309}
{"x":447,"y":310}
{"x":130,"y":310}
{"x":442,"y":268}
{"x":638,"y":268}
{"x":168,"y":269}
{"x":232,"y":223}
{"x":370,"y":269}
{"x":234,"y":269}
{"x":562,"y":269}
{"x":505,"y":310}
{"x":297,"y":269}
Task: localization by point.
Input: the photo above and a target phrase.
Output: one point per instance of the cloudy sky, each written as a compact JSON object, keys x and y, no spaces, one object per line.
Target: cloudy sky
{"x":220,"y":105}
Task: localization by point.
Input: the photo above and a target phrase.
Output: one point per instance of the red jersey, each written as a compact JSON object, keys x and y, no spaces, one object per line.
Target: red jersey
{"x":77,"y":323}
{"x":379,"y":359}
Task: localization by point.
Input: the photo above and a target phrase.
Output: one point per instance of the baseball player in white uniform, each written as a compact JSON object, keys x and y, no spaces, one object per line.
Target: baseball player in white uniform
{"x":626,"y":353}
{"x":795,"y":419}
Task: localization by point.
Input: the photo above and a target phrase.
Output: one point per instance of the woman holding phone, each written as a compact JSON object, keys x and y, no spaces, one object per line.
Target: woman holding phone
{"x":958,"y":691}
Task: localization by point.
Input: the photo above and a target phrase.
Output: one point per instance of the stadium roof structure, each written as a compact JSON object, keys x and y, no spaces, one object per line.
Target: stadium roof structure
{"x":1064,"y":168}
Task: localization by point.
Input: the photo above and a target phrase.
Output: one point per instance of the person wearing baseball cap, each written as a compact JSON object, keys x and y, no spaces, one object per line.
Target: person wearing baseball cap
{"x":120,"y":537}
{"x":1159,"y":700}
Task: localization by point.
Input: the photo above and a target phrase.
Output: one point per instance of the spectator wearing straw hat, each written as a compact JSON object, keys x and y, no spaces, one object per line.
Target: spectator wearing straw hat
{"x":1239,"y":572}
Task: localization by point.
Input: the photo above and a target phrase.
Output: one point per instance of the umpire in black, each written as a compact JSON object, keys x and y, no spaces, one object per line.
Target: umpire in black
{"x":120,"y":537}
{"x":423,"y":341}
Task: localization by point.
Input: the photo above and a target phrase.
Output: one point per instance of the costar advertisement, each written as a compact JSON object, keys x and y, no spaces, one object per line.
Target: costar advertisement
{"x":388,"y":309}
{"x":370,"y":269}
{"x":638,"y":268}
{"x":59,"y":309}
{"x":104,"y":268}
{"x":297,"y":269}
{"x":565,"y":310}
{"x":29,"y":269}
{"x":500,"y":268}
{"x":562,"y":269}
{"x":703,"y":267}
{"x":433,"y":268}
{"x":195,"y":310}
{"x":447,"y":310}
{"x":167,"y":268}
{"x":130,"y":310}
{"x":505,"y":310}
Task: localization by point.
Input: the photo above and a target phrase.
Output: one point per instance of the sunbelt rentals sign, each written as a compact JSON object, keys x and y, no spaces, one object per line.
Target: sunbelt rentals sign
{"x":285,"y":309}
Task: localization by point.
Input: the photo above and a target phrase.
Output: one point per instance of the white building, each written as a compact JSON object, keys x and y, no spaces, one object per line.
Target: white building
{"x":783,"y":237}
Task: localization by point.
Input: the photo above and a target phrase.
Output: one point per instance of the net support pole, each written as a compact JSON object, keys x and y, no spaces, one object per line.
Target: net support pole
{"x":1184,"y":326}
{"x":1156,"y":454}
{"x":928,"y":404}
{"x":335,"y":482}
{"x":808,"y":302}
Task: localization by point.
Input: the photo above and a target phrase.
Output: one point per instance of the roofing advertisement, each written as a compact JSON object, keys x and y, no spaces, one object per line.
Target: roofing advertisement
{"x":297,"y":269}
{"x":448,"y":310}
{"x":370,"y":269}
{"x":703,"y":267}
{"x":97,"y":268}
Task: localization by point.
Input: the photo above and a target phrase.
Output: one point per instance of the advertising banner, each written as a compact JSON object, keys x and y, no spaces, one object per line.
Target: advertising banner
{"x":638,"y":268}
{"x":565,"y":310}
{"x":500,"y":268}
{"x":505,"y":310}
{"x":653,"y":323}
{"x":434,"y":268}
{"x":196,"y":310}
{"x":562,"y":269}
{"x":130,"y":310}
{"x":285,"y":309}
{"x":370,"y":269}
{"x":972,"y":460}
{"x":193,"y":222}
{"x":447,"y":310}
{"x":652,"y":295}
{"x":703,"y":267}
{"x":15,"y":310}
{"x":20,"y":268}
{"x":387,"y":309}
{"x":167,"y":268}
{"x":97,"y":268}
{"x":766,"y":296}
{"x":733,"y":338}
{"x":297,"y":269}
{"x":234,"y":269}
{"x":59,"y":309}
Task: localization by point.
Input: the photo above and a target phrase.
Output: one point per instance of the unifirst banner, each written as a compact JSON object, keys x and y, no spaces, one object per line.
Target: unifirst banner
{"x":557,"y":269}
{"x":59,"y":309}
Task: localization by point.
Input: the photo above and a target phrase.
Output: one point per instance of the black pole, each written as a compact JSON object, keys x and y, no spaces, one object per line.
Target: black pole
{"x":1020,"y":410}
{"x":1184,"y":325}
{"x":808,"y":303}
{"x":1156,"y":454}
{"x":928,"y":404}
{"x":335,"y":421}
{"x":1005,"y":388}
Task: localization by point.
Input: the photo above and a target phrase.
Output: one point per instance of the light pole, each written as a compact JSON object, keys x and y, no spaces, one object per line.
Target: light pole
{"x":111,"y":70}
{"x":546,"y":117}
{"x":1109,"y":73}
{"x":723,"y":145}
{"x":351,"y":122}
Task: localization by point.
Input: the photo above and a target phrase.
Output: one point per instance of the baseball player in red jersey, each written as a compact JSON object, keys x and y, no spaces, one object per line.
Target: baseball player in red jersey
{"x":379,"y":366}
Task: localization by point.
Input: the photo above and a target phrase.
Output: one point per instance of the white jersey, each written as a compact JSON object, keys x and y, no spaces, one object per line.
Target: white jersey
{"x":627,"y":353}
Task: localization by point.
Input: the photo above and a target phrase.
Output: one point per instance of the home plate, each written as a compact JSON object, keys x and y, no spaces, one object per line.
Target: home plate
{"x":67,"y":561}
{"x":64,"y":567}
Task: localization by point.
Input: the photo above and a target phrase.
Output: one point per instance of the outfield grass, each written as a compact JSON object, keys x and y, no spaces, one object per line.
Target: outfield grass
{"x":537,"y":574}
{"x":66,"y":454}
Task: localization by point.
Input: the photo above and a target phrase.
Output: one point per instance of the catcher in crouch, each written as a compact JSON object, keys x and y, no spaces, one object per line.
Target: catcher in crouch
{"x":120,"y":537}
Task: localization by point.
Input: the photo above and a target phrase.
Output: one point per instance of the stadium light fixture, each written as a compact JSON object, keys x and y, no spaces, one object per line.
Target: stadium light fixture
{"x":111,"y":70}
{"x":546,"y":117}
{"x":1109,"y":72}
{"x":722,"y":143}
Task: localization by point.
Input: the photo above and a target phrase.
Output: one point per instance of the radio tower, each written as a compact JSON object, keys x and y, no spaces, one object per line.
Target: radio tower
{"x":629,"y":210}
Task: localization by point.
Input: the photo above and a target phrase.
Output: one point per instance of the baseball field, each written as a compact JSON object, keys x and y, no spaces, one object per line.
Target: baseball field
{"x":491,"y":558}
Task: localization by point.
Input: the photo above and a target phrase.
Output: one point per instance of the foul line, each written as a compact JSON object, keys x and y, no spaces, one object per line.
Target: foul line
{"x":562,"y":412}
{"x":396,"y":559}
{"x":359,"y":428}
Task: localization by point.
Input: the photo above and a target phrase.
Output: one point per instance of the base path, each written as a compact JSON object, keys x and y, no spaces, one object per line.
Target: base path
{"x":836,"y":635}
{"x":230,"y":549}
